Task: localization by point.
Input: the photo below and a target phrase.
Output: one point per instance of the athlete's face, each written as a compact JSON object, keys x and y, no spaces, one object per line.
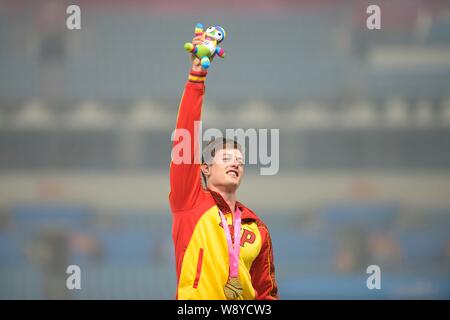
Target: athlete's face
{"x":226,"y":171}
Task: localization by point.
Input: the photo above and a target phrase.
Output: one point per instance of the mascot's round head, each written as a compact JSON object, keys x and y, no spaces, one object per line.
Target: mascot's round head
{"x":215,"y":33}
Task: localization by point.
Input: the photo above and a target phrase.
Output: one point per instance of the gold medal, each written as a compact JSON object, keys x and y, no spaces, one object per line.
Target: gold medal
{"x":233,"y":288}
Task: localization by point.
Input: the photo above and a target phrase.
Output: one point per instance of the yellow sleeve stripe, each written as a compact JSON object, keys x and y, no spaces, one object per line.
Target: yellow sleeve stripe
{"x":197,"y":78}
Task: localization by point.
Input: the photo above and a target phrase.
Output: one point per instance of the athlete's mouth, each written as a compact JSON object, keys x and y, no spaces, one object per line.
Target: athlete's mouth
{"x":209,"y":38}
{"x":233,"y":173}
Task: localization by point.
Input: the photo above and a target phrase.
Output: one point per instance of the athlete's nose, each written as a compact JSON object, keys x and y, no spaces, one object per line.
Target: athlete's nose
{"x":235,"y":164}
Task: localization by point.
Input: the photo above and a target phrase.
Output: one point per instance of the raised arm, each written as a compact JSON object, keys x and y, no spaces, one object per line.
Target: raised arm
{"x":185,"y":181}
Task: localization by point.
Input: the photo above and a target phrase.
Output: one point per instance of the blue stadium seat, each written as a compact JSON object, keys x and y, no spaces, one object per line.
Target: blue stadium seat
{"x":126,"y":246}
{"x":20,"y":282}
{"x":11,"y":249}
{"x":370,"y":215}
{"x":35,"y":216}
{"x":303,"y":250}
{"x":128,"y":281}
{"x":424,"y":248}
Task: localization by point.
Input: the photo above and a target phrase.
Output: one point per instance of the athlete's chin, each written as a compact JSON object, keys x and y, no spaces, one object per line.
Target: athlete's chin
{"x":232,"y":182}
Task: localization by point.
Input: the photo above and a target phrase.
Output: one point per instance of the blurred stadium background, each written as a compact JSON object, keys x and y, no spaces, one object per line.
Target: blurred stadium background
{"x":364,"y":119}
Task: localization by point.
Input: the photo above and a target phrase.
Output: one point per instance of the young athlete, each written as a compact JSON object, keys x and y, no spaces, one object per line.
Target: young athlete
{"x":223,"y":250}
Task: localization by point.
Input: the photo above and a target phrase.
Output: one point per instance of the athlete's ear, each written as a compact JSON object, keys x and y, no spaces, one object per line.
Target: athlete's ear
{"x":205,"y":169}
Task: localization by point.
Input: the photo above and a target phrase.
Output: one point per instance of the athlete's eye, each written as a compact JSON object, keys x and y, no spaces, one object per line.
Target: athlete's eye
{"x":209,"y":29}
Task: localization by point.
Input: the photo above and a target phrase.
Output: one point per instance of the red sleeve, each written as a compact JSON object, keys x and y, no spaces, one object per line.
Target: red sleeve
{"x":263,"y":269}
{"x":185,"y":180}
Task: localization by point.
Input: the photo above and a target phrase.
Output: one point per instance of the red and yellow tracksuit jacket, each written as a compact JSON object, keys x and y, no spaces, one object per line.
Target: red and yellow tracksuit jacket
{"x":201,"y":251}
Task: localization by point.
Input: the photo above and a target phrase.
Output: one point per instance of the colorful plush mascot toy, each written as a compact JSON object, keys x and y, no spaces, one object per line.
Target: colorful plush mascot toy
{"x":209,"y":47}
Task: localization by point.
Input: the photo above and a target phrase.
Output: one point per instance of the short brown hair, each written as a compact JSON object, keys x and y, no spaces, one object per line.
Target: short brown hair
{"x":214,"y":144}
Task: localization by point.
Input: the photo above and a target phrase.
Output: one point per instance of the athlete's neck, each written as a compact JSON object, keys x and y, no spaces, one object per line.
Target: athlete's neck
{"x":229,"y":197}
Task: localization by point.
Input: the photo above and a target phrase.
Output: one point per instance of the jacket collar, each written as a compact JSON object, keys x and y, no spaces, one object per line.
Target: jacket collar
{"x":247,"y":214}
